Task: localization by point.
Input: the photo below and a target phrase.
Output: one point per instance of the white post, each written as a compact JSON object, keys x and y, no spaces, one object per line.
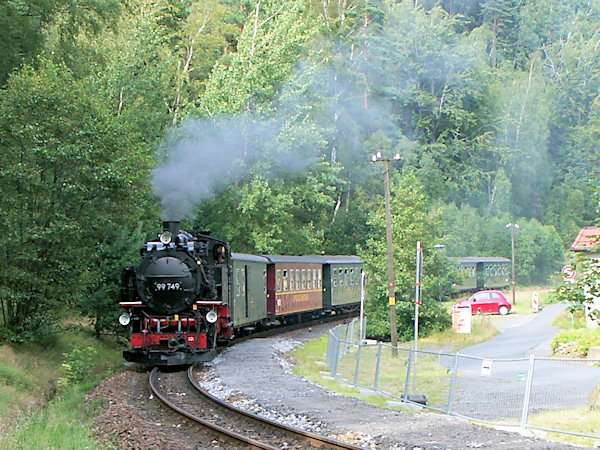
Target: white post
{"x":363,"y":286}
{"x":417,"y":303}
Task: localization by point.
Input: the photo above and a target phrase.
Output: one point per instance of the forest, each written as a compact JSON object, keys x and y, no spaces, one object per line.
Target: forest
{"x":257,"y":119}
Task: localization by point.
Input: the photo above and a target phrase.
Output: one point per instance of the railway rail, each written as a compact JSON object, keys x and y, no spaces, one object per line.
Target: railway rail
{"x":282,"y":329}
{"x":222,"y":418}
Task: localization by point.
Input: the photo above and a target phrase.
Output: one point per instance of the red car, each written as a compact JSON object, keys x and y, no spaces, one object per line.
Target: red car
{"x":487,"y":302}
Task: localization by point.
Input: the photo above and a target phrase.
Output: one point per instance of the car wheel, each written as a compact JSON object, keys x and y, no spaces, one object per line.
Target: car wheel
{"x":503,"y":310}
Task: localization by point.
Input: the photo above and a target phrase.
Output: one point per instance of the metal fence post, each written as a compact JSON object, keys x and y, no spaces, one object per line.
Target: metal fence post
{"x":407,"y":382}
{"x":357,"y":365}
{"x":377,"y":368}
{"x":452,"y":382}
{"x":329,"y":351}
{"x":527,"y":394}
{"x":364,"y":328}
{"x":336,"y":356}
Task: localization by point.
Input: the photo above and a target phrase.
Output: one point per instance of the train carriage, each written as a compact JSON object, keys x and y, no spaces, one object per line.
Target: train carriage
{"x":294,"y":285}
{"x":249,"y":286}
{"x":483,"y":272}
{"x":342,"y":277}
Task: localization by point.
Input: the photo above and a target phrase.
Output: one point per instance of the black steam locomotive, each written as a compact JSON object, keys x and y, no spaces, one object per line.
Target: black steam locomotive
{"x":189,"y":294}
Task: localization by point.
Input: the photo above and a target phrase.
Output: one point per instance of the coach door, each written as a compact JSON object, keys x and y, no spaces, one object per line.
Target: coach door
{"x":246,"y":300}
{"x":480,"y":276}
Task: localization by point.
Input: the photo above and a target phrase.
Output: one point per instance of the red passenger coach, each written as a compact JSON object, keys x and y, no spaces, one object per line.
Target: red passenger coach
{"x":294,"y":285}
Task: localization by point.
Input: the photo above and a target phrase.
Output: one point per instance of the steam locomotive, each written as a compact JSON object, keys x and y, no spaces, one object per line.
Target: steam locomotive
{"x":190,"y":293}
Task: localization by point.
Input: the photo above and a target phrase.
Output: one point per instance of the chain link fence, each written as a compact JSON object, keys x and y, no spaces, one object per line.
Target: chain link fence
{"x":519,"y":392}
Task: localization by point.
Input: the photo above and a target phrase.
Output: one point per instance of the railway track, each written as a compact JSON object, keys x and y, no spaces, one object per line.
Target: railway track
{"x":282,"y":329}
{"x":241,"y":428}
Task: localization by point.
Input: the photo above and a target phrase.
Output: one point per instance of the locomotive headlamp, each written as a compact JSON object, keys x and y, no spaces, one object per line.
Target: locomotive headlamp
{"x":212,"y":316}
{"x":166,"y":237}
{"x":124,"y":319}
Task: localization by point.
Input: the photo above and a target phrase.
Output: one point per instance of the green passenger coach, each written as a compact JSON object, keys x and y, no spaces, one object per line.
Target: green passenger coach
{"x":342,"y":277}
{"x":249,"y":285}
{"x":483,"y":272}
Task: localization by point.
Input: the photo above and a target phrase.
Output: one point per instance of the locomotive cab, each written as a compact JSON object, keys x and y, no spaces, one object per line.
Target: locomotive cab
{"x":175,"y":300}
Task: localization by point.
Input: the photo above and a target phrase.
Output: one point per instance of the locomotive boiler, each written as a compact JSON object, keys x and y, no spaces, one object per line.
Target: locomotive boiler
{"x":174,"y":300}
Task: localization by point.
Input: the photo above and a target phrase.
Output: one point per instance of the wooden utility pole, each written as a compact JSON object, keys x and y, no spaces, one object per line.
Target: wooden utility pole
{"x":512,"y":227}
{"x":390,"y":249}
{"x":390,"y":258}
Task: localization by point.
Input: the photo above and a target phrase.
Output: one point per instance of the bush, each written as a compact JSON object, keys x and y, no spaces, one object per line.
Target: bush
{"x":582,"y":339}
{"x":76,"y":366}
{"x":432,"y":318}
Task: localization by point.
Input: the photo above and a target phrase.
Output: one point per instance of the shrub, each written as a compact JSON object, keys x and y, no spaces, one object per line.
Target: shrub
{"x":78,"y":363}
{"x":582,"y":338}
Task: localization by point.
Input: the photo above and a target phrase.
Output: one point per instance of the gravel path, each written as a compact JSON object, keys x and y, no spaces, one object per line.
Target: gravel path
{"x":256,"y":376}
{"x":258,"y":369}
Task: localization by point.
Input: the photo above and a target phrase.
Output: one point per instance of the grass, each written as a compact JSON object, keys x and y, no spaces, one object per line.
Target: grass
{"x":433,"y":378}
{"x":62,"y":424}
{"x":566,"y":321}
{"x":483,"y":329}
{"x":580,"y":420}
{"x":307,"y":360}
{"x":33,"y":413}
{"x":524,"y":296}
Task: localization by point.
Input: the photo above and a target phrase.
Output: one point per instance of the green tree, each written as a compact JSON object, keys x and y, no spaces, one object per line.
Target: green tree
{"x":272,"y":39}
{"x":30,"y":26}
{"x":411,"y":223}
{"x":273,"y":215}
{"x":68,"y":171}
{"x":522,"y":112}
{"x":118,"y":248}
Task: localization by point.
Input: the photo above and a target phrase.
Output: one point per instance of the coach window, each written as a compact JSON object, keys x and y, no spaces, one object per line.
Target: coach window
{"x":334,"y":278}
{"x":351,"y":277}
{"x":292,"y":281}
{"x":278,"y":288}
{"x":309,"y":279}
{"x":303,"y":275}
{"x":298,"y":280}
{"x":319,"y":279}
{"x":243,"y":282}
{"x":237,"y":281}
{"x":285,"y":280}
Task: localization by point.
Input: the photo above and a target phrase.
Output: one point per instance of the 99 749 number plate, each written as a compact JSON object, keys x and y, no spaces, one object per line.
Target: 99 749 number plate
{"x":167,"y":286}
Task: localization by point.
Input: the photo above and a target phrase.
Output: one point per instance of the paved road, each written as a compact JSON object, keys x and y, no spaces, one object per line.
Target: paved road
{"x":527,"y":335}
{"x":501,"y":383}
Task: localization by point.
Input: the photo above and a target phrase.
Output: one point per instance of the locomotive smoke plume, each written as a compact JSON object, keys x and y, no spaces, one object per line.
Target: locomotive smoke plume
{"x":205,"y":156}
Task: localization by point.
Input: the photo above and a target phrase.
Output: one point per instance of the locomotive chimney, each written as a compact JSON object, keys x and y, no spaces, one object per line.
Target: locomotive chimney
{"x":172,"y":226}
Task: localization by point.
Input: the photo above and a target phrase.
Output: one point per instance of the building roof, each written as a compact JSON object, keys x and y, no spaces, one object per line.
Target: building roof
{"x":588,"y":239}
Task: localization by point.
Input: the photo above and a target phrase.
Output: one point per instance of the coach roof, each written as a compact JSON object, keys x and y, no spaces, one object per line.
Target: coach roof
{"x":247,"y":257}
{"x":314,"y":259}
